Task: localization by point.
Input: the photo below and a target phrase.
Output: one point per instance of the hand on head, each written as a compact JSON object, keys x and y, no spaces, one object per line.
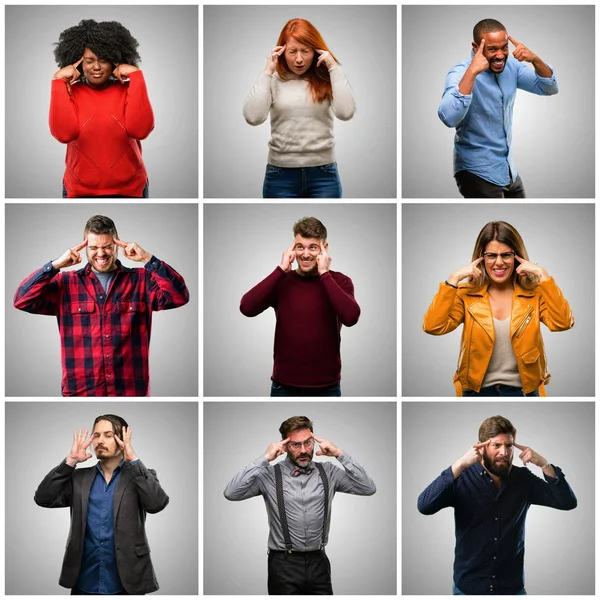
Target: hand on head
{"x":70,"y":257}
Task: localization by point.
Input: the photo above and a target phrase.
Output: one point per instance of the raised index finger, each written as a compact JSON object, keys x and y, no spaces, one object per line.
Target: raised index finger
{"x":120,"y":243}
{"x":514,"y":42}
{"x":476,"y":262}
{"x":519,"y":446}
{"x":481,"y":46}
{"x":316,"y":438}
{"x":81,"y":246}
{"x":519,"y":258}
{"x":482,"y":444}
{"x":78,"y":62}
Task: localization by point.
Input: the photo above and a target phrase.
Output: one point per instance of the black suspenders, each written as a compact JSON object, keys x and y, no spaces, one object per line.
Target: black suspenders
{"x":281,"y":505}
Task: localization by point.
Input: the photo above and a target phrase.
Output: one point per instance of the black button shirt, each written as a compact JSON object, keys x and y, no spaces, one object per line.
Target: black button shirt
{"x":490,"y":522}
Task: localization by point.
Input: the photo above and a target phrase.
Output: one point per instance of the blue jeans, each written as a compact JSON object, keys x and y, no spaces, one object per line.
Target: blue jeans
{"x":307,"y":182}
{"x":278,"y":389}
{"x":457,"y":592}
{"x":500,"y":390}
{"x":145,"y":193}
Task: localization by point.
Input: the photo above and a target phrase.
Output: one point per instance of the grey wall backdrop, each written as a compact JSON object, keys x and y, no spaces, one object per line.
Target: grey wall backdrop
{"x":36,"y":234}
{"x":438,"y":239}
{"x":238,"y":352}
{"x":168,"y":37}
{"x":559,"y":543}
{"x":362,"y":538}
{"x":164,"y":436}
{"x":553,"y":137}
{"x":237,"y":40}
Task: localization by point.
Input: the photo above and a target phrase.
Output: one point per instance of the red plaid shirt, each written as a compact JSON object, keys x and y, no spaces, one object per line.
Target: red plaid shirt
{"x":105,"y":337}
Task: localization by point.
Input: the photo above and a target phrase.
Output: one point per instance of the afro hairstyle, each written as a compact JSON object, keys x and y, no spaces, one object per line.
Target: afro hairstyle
{"x":108,"y":40}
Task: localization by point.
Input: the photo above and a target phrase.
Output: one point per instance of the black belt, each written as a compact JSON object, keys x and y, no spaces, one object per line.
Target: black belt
{"x":309,"y":553}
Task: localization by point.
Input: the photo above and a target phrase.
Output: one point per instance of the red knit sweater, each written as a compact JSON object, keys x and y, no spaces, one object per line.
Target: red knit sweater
{"x":310,"y":313}
{"x":102,"y":129}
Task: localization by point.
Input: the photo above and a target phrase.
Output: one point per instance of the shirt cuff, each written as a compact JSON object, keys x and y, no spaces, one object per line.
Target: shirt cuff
{"x":464,"y":98}
{"x":48,"y":268}
{"x":152,"y":264}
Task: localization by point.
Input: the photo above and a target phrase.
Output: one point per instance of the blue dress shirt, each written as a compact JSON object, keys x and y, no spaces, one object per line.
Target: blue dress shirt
{"x":99,"y":573}
{"x":483,"y":119}
{"x":490,"y":522}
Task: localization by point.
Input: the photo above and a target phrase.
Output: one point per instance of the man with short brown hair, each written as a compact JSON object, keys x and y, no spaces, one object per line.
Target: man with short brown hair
{"x":491,"y":498}
{"x":298,"y":494}
{"x":311,"y":304}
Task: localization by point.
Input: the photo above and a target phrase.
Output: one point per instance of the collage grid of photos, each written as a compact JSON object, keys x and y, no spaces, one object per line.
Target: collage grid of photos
{"x":378,"y":217}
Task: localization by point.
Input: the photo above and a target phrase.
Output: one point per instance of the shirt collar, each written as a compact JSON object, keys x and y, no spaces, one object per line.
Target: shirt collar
{"x":87,"y":270}
{"x":117,"y":470}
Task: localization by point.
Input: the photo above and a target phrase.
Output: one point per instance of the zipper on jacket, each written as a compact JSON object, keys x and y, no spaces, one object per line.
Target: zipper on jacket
{"x":523,"y":324}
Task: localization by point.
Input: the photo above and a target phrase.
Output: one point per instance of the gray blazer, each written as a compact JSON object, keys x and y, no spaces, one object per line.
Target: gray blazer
{"x":138,"y":492}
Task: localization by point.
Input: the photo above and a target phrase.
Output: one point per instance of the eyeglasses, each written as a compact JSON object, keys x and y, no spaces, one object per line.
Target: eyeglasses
{"x":297,"y":445}
{"x":505,"y":256}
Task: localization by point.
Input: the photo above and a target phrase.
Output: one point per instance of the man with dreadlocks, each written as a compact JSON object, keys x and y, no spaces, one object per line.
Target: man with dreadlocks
{"x":102,"y":113}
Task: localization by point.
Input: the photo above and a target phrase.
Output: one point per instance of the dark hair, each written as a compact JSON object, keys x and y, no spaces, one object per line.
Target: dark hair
{"x":486,"y":26}
{"x":100,"y":225}
{"x":117,"y":422}
{"x":294,"y":424}
{"x":108,"y":40}
{"x":494,"y":426}
{"x":310,"y":227}
{"x":505,"y":233}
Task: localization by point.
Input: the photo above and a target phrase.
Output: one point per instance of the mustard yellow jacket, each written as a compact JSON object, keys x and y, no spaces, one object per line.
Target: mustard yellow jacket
{"x":451,"y":307}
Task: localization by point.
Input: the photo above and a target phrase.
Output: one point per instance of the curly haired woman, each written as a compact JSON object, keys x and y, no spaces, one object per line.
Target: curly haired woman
{"x":502,"y":305}
{"x":101,"y":113}
{"x":302,"y":87}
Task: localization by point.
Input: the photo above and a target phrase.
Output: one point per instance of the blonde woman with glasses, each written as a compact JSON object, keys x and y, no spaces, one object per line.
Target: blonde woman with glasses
{"x":502,"y":301}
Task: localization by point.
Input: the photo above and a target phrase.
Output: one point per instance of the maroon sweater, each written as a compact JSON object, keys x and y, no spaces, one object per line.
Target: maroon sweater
{"x":310,"y":312}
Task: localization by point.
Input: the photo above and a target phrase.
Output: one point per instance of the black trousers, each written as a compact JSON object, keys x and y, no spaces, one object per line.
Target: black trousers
{"x":307,"y":573}
{"x":472,"y":186}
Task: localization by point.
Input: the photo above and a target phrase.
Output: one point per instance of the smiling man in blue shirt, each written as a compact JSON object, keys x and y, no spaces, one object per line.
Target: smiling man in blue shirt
{"x":478,"y":101}
{"x":107,"y":551}
{"x":491,"y":499}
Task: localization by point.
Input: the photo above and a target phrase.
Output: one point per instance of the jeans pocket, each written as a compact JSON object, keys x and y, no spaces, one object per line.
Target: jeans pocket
{"x":272,"y":172}
{"x":330,"y":169}
{"x":275,"y":385}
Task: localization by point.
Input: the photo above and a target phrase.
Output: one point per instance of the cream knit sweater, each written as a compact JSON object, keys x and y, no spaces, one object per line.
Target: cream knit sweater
{"x":301,"y":130}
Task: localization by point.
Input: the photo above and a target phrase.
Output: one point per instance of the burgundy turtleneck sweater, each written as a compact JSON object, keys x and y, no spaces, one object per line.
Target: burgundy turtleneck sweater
{"x":310,"y":312}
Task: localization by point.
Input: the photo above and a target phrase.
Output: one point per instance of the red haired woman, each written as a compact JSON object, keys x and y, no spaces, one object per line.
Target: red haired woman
{"x":302,"y":87}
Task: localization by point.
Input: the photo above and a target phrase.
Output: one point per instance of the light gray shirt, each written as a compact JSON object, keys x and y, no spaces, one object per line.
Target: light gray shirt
{"x":303,"y":496}
{"x":503,"y":368}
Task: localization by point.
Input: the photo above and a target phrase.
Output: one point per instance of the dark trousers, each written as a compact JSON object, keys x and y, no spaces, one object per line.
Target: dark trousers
{"x":307,"y":573}
{"x":471,"y":186}
{"x":78,"y":592}
{"x":500,"y":390}
{"x":279,"y":389}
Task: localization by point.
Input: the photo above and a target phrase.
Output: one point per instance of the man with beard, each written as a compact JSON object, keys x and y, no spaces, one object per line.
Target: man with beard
{"x":107,"y":551}
{"x":298,"y":494}
{"x":104,"y":311}
{"x":478,"y":101}
{"x":311,"y":304}
{"x":491,"y":498}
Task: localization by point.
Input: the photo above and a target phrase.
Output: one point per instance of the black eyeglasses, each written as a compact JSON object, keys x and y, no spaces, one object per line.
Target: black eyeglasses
{"x":505,"y":256}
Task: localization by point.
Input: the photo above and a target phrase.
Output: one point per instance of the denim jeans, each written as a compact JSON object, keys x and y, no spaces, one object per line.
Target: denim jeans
{"x":457,"y":592}
{"x":500,"y":390}
{"x":145,"y":193}
{"x":278,"y":389}
{"x":307,"y":182}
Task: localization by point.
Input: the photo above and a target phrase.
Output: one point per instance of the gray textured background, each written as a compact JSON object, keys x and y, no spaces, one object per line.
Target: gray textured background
{"x":362,"y":538}
{"x":165,"y":438}
{"x":168,"y":37}
{"x":237,"y":40}
{"x":238,"y":351}
{"x":559,"y":545}
{"x":36,"y":234}
{"x":438,"y":239}
{"x":553,"y":137}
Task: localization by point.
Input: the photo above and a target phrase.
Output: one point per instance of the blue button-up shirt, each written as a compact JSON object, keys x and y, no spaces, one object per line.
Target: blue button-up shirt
{"x":483,"y":119}
{"x":99,"y":573}
{"x":490,"y":522}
